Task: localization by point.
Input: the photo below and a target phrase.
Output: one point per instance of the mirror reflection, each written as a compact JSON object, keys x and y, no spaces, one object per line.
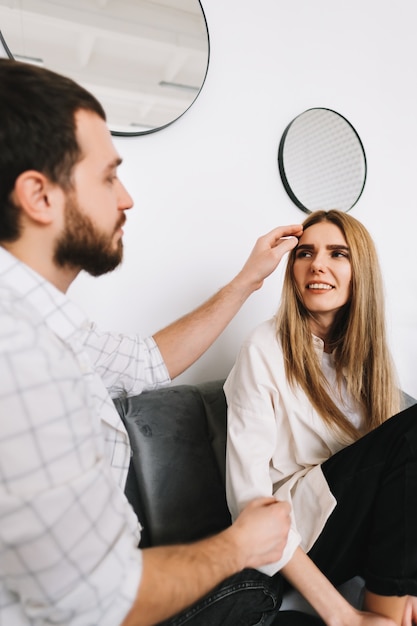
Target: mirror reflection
{"x":322,"y":161}
{"x":145,"y":60}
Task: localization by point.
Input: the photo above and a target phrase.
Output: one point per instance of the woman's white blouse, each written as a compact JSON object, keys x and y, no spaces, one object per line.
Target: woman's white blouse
{"x":276,"y":441}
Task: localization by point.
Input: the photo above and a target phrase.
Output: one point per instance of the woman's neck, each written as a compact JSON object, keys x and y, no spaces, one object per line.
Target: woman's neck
{"x":322,"y":328}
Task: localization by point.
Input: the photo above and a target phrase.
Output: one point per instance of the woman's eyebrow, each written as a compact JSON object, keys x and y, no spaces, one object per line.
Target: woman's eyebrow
{"x":330,"y":246}
{"x":338,"y":246}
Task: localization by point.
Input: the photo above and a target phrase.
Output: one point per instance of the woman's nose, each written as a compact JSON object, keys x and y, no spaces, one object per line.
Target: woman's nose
{"x":317,"y":264}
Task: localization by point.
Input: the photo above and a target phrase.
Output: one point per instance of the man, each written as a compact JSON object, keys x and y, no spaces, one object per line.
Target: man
{"x":68,"y":536}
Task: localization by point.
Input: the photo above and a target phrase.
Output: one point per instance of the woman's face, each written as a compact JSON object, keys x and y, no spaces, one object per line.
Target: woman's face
{"x":322,"y":270}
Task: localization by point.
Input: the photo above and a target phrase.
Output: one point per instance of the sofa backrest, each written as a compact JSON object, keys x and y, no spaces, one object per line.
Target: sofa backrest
{"x":176,"y":479}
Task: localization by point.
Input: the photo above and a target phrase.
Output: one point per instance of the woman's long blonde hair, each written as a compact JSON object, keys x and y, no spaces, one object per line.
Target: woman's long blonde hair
{"x":358,"y":336}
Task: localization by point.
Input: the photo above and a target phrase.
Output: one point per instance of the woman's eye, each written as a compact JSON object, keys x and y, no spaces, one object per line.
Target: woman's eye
{"x":303,"y":254}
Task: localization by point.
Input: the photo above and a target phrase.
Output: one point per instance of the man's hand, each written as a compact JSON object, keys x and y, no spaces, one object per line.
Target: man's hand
{"x":175,"y":576}
{"x":267,"y":253}
{"x":261,"y":531}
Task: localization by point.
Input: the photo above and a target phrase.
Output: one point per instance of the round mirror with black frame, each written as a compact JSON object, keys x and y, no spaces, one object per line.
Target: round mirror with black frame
{"x":322,"y":161}
{"x":145,"y":60}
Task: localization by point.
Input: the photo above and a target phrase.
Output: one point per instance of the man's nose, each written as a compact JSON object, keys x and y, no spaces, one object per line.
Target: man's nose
{"x":125,"y":199}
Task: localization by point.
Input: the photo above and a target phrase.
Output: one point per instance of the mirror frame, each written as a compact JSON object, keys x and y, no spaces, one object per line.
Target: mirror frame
{"x":5,"y":46}
{"x":120,"y":133}
{"x":148,"y":131}
{"x":281,"y":165}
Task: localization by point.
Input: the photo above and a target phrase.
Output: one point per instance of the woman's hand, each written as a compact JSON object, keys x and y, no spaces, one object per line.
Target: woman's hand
{"x":410,"y":613}
{"x":372,"y":619}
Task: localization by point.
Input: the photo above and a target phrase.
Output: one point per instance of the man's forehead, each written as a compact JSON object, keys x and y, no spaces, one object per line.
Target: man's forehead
{"x":94,"y":139}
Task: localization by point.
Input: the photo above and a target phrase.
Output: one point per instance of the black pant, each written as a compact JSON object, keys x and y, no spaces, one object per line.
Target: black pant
{"x":372,"y":532}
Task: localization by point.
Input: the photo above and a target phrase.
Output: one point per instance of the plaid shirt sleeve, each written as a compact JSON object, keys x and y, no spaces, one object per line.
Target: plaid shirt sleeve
{"x":127,"y":364}
{"x":67,"y":534}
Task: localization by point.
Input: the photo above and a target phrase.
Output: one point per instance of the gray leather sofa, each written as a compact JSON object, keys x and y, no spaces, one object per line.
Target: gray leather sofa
{"x":176,"y":480}
{"x":178,"y":439}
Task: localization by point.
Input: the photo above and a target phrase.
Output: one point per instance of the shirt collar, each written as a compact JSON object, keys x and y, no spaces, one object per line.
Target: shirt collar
{"x":319,"y":349}
{"x":62,"y":315}
{"x":318,"y":345}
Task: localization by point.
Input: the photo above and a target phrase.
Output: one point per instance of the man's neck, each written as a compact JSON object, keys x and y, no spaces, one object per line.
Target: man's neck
{"x":37,"y":260}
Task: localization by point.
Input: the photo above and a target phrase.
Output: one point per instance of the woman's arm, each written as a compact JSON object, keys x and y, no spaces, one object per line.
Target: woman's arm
{"x":332,"y":607}
{"x":257,"y":430}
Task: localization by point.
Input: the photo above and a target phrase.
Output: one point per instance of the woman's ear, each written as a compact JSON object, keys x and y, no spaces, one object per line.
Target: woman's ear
{"x":37,"y":196}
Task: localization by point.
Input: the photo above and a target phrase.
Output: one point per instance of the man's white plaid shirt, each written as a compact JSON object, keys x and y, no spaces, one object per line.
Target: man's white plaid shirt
{"x":68,"y":536}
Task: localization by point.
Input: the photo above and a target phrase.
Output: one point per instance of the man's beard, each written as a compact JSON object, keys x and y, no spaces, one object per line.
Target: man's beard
{"x":82,"y":246}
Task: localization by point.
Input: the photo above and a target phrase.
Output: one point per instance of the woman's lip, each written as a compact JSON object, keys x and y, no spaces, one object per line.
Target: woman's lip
{"x":320,"y":286}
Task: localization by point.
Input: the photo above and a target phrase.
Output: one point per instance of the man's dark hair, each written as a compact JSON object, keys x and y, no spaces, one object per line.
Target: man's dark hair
{"x":37,"y":130}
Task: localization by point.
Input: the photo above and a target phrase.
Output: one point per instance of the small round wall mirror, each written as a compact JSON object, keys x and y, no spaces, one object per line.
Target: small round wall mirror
{"x":145,"y":60}
{"x":322,"y":161}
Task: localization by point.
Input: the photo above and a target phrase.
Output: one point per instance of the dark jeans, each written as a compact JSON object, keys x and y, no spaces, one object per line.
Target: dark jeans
{"x":372,"y":532}
{"x":248,"y":598}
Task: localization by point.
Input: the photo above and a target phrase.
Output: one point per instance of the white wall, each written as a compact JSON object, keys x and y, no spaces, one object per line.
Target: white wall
{"x":208,"y":185}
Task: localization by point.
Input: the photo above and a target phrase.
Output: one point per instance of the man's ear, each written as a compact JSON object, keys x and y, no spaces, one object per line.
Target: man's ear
{"x":37,"y":196}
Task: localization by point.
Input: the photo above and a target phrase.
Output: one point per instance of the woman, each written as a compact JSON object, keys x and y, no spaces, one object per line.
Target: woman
{"x":309,"y":401}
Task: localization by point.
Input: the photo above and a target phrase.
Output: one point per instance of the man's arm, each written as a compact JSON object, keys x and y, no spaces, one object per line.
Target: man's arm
{"x":176,"y":576}
{"x":184,"y":341}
